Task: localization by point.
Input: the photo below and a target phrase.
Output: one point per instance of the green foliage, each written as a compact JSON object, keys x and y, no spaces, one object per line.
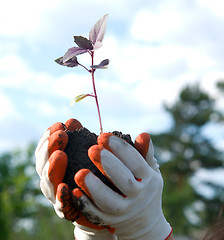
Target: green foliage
{"x":220,"y":85}
{"x":21,"y":212}
{"x":183,"y":150}
{"x":47,"y":226}
{"x":16,"y":190}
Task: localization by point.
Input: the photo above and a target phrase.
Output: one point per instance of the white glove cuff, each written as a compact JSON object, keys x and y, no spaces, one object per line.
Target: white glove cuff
{"x":85,"y":233}
{"x":161,"y":231}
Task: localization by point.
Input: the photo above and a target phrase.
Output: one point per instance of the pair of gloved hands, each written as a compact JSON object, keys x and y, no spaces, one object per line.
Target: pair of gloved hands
{"x":98,"y":212}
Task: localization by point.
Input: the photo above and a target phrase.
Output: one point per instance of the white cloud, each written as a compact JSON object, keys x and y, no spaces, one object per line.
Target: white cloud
{"x":215,"y":7}
{"x":7,"y":107}
{"x":155,"y":74}
{"x":55,"y":21}
{"x":153,"y":27}
{"x":16,"y":74}
{"x":71,"y":85}
{"x":42,"y":107}
{"x":14,"y":71}
{"x":24,"y":16}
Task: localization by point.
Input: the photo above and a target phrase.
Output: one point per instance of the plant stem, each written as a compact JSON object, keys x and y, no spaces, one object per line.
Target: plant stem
{"x":94,"y":89}
{"x":84,"y":67}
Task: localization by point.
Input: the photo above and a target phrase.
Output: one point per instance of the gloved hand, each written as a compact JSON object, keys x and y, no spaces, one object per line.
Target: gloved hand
{"x":137,"y":215}
{"x":51,"y":163}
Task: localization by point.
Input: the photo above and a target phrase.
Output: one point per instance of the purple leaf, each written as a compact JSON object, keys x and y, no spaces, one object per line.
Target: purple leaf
{"x":70,"y":63}
{"x":83,"y":42}
{"x":72,"y":52}
{"x":103,"y":65}
{"x":97,"y":32}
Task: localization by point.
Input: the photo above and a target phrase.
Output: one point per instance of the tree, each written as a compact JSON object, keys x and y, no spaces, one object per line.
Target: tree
{"x":182,"y":151}
{"x":22,"y":214}
{"x":16,"y":190}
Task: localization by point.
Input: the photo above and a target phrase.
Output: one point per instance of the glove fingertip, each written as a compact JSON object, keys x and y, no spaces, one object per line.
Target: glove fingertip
{"x":77,"y":193}
{"x":56,"y":126}
{"x":57,"y":141}
{"x":76,"y":196}
{"x":80,"y":177}
{"x":73,"y":124}
{"x":142,"y":143}
{"x":57,"y":167}
{"x":63,"y":192}
{"x":67,"y":207}
{"x":94,"y":154}
{"x":103,"y":139}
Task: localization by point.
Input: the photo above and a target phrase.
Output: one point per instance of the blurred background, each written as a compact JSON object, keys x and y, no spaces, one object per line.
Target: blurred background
{"x":166,"y":77}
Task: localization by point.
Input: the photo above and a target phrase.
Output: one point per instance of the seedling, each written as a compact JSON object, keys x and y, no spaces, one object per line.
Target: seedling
{"x":89,"y":46}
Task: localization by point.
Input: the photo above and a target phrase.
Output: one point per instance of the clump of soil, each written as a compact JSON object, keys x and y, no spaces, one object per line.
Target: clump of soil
{"x":79,"y":142}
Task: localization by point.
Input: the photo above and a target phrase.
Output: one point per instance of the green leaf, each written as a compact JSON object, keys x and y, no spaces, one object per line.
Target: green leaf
{"x":78,"y":98}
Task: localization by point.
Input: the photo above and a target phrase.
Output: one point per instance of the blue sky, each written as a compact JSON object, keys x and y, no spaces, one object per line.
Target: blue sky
{"x":155,"y":48}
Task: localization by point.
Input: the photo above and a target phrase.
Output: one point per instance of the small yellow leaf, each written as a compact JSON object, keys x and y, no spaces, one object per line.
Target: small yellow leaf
{"x":72,"y":102}
{"x":78,"y":98}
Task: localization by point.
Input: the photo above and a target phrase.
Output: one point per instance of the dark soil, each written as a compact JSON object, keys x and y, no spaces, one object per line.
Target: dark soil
{"x":77,"y":151}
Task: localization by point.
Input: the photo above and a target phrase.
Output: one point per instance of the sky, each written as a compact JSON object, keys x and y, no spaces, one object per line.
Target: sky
{"x":155,"y":48}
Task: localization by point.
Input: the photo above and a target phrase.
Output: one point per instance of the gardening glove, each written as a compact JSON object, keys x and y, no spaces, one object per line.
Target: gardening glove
{"x":135,"y":215}
{"x":51,"y":163}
